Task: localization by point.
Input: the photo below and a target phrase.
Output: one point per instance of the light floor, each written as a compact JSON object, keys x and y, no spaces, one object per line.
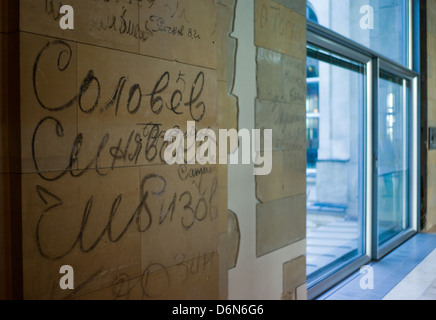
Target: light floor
{"x":420,"y":284}
{"x":407,"y":273}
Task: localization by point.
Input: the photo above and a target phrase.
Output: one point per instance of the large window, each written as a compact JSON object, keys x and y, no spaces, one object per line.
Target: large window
{"x":382,"y":26}
{"x":335,"y":98}
{"x":362,"y":134}
{"x":393,"y":156}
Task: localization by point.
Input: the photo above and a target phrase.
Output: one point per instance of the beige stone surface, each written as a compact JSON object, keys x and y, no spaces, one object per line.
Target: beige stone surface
{"x":195,"y":279}
{"x":134,"y":111}
{"x":280,"y":223}
{"x":279,"y":28}
{"x":296,"y":5}
{"x":182,"y":30}
{"x":281,"y":78}
{"x":302,"y":292}
{"x":48,"y":105}
{"x":96,"y":102}
{"x":96,"y":22}
{"x":294,"y":276}
{"x":287,"y":177}
{"x":180,"y":216}
{"x":287,"y":122}
{"x":88,"y":222}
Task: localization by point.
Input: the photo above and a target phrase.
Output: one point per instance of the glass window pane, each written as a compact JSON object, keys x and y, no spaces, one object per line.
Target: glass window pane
{"x":334,"y":106}
{"x":393,"y":159}
{"x":379,"y":25}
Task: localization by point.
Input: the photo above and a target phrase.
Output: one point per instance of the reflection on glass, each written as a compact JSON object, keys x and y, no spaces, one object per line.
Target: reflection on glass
{"x":379,"y":25}
{"x":393,"y":161}
{"x":334,"y":120}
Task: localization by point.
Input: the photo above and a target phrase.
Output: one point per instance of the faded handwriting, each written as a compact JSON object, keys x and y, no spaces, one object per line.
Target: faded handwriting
{"x":123,"y":286}
{"x":183,"y":268}
{"x":76,"y":291}
{"x":124,"y":26}
{"x":192,"y":201}
{"x":280,"y":21}
{"x":193,"y":103}
{"x":143,"y":31}
{"x":145,"y":144}
{"x":189,"y":207}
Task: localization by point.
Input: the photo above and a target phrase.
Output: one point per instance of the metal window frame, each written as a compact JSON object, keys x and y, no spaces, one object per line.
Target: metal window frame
{"x":380,"y":250}
{"x":333,"y":42}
